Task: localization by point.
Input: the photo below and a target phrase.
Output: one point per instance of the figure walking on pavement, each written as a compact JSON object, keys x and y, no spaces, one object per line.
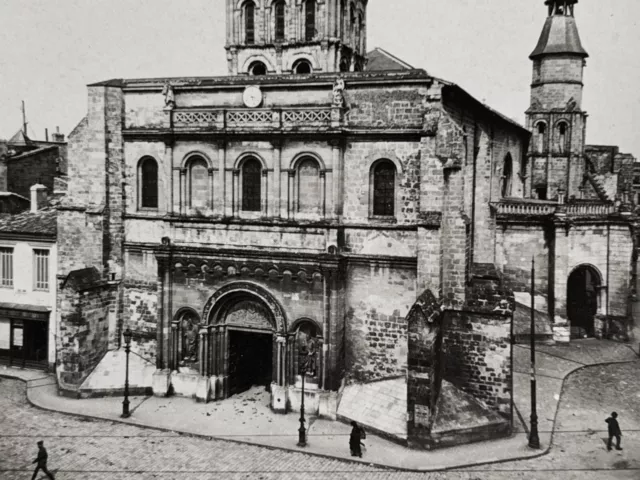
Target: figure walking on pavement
{"x":614,"y":431}
{"x":357,"y":434}
{"x":41,"y":461}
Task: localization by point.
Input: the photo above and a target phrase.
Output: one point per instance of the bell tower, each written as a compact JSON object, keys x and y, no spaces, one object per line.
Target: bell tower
{"x":267,"y":37}
{"x":555,"y":115}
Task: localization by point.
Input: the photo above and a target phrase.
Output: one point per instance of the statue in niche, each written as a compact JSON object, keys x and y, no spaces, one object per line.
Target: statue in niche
{"x":307,"y":356}
{"x":169,"y":98}
{"x":189,"y":340}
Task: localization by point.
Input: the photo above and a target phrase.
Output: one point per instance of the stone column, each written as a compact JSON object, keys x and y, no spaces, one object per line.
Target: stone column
{"x":220,"y":194}
{"x":336,"y":174}
{"x":264,"y":201}
{"x":175,"y":345}
{"x":235,"y":202}
{"x":203,"y":386}
{"x":561,"y":325}
{"x":183,"y":191}
{"x":168,"y":181}
{"x":291,"y":208}
{"x":279,"y":391}
{"x":276,"y":193}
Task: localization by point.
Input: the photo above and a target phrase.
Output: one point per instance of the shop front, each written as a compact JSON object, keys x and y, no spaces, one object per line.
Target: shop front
{"x":24,"y":332}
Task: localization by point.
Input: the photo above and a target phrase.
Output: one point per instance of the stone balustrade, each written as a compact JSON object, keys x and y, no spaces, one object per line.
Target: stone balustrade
{"x":258,"y":118}
{"x":535,"y":209}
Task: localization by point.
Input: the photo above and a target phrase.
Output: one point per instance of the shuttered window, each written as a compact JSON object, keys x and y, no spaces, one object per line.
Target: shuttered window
{"x":6,"y":267}
{"x":41,"y":269}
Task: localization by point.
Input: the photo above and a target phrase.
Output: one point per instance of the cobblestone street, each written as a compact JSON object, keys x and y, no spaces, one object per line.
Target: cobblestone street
{"x":92,"y":449}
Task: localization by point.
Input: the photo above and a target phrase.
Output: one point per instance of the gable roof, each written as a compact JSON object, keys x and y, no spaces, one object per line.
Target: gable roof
{"x":379,"y":59}
{"x":42,"y":223}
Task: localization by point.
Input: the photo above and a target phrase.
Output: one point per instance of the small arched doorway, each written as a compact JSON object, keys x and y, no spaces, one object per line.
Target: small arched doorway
{"x":583,"y":289}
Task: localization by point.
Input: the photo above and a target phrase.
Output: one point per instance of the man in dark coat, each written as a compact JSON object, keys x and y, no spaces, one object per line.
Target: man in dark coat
{"x":614,"y":431}
{"x":41,"y":461}
{"x":357,"y":434}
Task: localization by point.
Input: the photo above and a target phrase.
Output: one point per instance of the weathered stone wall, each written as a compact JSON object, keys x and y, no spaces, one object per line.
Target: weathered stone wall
{"x":358,"y":161}
{"x":84,"y":332}
{"x":28,"y":170}
{"x":477,"y":356}
{"x":376,"y":333}
{"x":514,"y":261}
{"x":385,"y":106}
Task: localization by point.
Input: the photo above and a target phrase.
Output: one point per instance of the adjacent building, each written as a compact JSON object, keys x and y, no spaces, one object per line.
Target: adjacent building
{"x":28,"y":286}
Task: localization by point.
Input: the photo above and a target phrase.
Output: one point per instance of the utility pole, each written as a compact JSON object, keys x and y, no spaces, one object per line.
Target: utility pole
{"x":24,"y":120}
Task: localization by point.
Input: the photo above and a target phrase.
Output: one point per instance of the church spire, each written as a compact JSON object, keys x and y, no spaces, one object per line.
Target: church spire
{"x":560,"y":31}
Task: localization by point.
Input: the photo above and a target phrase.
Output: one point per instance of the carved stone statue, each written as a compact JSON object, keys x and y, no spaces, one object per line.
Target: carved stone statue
{"x":189,"y":340}
{"x":169,"y":98}
{"x":338,"y":93}
{"x":311,"y":356}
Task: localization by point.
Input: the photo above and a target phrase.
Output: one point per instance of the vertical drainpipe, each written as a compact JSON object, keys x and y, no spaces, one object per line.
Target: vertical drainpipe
{"x":606,"y":321}
{"x":473,"y":201}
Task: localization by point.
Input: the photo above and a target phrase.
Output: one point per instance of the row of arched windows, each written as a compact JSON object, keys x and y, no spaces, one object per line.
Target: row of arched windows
{"x":559,"y":138}
{"x":308,"y":187}
{"x":279,"y":14}
{"x":351,"y":22}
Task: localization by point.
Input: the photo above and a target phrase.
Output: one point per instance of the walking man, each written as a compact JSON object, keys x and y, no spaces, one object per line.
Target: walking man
{"x":41,"y":461}
{"x":357,"y":434}
{"x":614,"y":431}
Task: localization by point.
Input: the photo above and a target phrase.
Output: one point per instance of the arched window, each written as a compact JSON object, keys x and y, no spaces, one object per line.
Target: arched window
{"x":198,"y":186}
{"x":507,"y":176}
{"x":309,"y":194}
{"x":250,"y":23}
{"x":562,"y":136}
{"x":251,"y":185}
{"x":352,"y":32}
{"x":148,"y":183}
{"x":302,"y":67}
{"x":540,"y":137}
{"x":257,"y":68}
{"x":344,"y":65}
{"x":310,"y":19}
{"x":279,"y":13}
{"x":384,"y":188}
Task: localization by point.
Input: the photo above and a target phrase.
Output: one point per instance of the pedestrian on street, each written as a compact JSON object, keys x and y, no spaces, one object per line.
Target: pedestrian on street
{"x":357,"y":434}
{"x":614,"y":431}
{"x":41,"y":461}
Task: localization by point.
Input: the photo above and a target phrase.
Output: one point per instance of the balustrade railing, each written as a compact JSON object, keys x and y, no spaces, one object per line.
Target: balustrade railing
{"x":255,"y":118}
{"x":538,"y":209}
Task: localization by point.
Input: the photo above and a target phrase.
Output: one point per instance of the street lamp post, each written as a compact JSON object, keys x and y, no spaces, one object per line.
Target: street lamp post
{"x":534,"y":440}
{"x":127,"y":349}
{"x":302,"y":431}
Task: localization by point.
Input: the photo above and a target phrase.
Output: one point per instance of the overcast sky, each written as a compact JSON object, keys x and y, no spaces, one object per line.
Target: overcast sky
{"x":50,"y":50}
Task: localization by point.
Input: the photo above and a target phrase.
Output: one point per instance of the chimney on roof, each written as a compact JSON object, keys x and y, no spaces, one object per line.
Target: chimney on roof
{"x":58,"y":137}
{"x":38,"y":197}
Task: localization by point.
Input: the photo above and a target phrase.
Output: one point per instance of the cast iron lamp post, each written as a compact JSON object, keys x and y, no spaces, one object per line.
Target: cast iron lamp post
{"x":302,"y":366}
{"x":534,"y":440}
{"x":127,"y":349}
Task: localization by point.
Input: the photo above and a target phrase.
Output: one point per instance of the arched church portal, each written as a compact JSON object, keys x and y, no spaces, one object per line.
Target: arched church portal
{"x":247,"y":340}
{"x":583,"y":290}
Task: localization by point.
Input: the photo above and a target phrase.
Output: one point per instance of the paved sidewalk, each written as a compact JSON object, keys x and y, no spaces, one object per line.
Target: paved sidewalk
{"x":247,"y":418}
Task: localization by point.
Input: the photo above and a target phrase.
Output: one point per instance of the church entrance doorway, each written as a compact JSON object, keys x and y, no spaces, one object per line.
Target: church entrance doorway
{"x":582,"y":301}
{"x":250,"y":360}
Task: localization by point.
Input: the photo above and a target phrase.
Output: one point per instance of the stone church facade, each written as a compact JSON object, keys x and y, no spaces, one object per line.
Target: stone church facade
{"x":304,"y":203}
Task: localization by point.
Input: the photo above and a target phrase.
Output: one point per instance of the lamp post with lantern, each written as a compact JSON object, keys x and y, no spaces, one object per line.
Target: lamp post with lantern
{"x":127,"y":348}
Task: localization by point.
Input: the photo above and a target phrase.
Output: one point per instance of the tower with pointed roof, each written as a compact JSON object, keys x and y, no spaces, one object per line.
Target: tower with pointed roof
{"x":295,"y":36}
{"x":555,"y":115}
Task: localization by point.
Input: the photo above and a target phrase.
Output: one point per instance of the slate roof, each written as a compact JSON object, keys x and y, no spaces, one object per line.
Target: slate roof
{"x":42,"y":223}
{"x":379,"y":59}
{"x":559,"y":35}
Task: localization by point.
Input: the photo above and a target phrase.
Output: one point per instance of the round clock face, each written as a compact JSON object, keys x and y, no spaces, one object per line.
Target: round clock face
{"x":252,"y":97}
